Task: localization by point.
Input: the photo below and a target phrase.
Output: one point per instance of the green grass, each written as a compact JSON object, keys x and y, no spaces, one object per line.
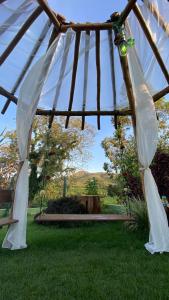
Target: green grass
{"x":99,"y":262}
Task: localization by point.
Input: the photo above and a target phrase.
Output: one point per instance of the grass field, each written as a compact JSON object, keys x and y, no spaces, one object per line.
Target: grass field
{"x":97,"y":262}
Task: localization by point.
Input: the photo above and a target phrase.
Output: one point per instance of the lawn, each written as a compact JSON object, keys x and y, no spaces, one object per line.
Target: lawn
{"x":96,"y":262}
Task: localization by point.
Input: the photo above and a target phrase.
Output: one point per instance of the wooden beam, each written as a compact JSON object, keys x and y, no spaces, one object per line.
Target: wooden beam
{"x":50,"y":13}
{"x":28,"y":63}
{"x":7,"y":94}
{"x":161,"y":94}
{"x":129,"y":89}
{"x":20,"y":34}
{"x":80,"y":113}
{"x":86,"y":67}
{"x":75,"y":64}
{"x":151,"y":41}
{"x":112,"y":68}
{"x":154,"y":10}
{"x":97,"y":32}
{"x":126,"y":11}
{"x":87,"y":26}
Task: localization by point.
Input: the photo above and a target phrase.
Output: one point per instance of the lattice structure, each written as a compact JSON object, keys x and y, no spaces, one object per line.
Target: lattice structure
{"x":56,"y":25}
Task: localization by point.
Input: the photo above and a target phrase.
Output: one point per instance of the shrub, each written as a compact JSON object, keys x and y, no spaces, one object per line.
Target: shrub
{"x":139,"y":214}
{"x":65,"y":206}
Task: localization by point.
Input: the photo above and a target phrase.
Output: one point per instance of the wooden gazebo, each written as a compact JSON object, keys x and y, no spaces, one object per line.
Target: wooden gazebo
{"x":55,"y":31}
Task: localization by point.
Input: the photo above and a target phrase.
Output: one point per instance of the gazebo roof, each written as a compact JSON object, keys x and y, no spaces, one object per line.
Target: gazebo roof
{"x":87,"y":74}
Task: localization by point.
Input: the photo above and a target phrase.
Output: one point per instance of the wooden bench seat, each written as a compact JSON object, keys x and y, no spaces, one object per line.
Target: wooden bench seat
{"x":81,"y":217}
{"x":7,"y":221}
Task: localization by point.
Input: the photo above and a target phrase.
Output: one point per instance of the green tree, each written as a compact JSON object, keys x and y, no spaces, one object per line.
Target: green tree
{"x":121,"y":152}
{"x":92,"y":187}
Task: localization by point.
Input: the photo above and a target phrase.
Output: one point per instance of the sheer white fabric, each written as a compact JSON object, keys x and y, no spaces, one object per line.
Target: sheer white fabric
{"x":26,"y":108}
{"x":147,"y":138}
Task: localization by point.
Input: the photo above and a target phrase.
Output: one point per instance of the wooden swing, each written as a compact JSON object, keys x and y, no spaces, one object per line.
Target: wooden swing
{"x":6,"y":196}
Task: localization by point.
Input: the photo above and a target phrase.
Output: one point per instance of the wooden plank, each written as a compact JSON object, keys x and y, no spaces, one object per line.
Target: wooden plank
{"x":75,"y":64}
{"x":20,"y":34}
{"x":97,"y":34}
{"x":50,"y":13}
{"x":151,"y":41}
{"x":81,"y":217}
{"x":7,"y":221}
{"x":28,"y":63}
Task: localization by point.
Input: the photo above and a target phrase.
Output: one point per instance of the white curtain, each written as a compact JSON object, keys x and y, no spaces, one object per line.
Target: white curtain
{"x":147,"y":137}
{"x":27,"y":104}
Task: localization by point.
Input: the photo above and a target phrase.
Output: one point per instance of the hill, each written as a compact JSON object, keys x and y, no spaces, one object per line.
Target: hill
{"x":77,"y":182}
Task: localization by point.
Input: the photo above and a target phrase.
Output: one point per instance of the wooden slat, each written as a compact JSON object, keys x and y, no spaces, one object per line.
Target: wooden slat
{"x":86,"y":67}
{"x":112,"y":68}
{"x":97,"y":32}
{"x":7,"y":221}
{"x":75,"y":64}
{"x":28,"y":63}
{"x":81,"y":217}
{"x":20,"y":34}
{"x":151,"y":41}
{"x":50,"y":13}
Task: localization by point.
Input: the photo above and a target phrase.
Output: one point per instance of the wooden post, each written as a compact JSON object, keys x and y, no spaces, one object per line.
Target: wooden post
{"x":98,"y":74}
{"x":86,"y":67}
{"x":75,"y":64}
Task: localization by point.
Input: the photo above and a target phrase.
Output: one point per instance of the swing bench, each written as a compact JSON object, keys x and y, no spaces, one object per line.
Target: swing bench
{"x":42,"y":218}
{"x":6,"y":197}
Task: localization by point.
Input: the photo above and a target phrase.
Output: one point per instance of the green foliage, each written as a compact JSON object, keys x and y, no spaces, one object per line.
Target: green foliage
{"x":65,"y":206}
{"x":139,"y":214}
{"x":121,"y":152}
{"x":92,"y":187}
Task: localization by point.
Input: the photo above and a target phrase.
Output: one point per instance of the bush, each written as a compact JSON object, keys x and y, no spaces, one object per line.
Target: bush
{"x":139,"y":214}
{"x":65,"y":206}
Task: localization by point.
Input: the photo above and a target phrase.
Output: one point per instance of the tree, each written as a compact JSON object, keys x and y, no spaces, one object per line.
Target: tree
{"x":8,"y":158}
{"x":92,"y":186}
{"x":53,"y":153}
{"x":121,"y":152}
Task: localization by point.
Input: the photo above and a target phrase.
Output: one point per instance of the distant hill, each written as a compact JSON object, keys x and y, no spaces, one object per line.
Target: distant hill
{"x":78,"y":180}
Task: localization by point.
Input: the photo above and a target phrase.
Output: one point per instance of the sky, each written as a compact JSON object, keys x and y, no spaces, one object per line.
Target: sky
{"x":80,"y":11}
